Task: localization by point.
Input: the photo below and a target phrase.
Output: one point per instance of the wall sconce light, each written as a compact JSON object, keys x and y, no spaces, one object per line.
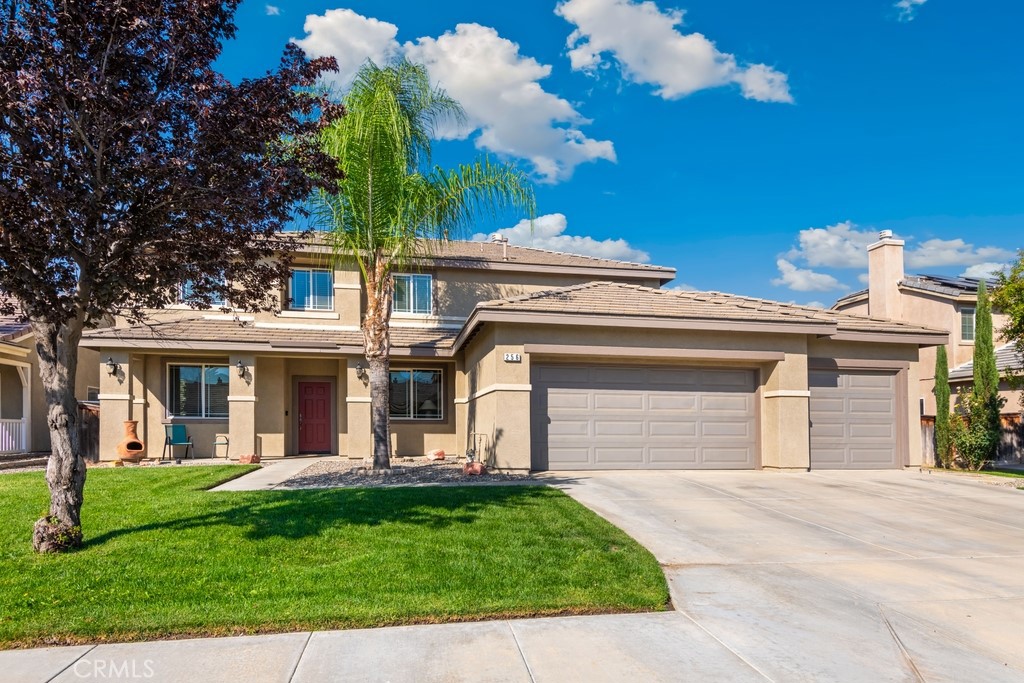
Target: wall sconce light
{"x":241,"y":368}
{"x":361,"y":371}
{"x":112,"y":366}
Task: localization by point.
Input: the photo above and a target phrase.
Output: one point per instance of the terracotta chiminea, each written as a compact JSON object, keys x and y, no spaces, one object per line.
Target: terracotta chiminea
{"x":131,"y":449}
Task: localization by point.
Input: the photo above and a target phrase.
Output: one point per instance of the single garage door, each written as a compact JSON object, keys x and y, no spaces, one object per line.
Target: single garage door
{"x":853,"y":420}
{"x":605,"y":417}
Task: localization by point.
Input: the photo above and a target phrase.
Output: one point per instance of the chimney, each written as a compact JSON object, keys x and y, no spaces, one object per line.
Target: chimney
{"x":498,"y":238}
{"x":885,"y":272}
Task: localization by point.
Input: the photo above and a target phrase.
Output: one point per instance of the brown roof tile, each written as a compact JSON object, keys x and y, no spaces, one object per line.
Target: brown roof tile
{"x":626,"y":300}
{"x":200,"y":330}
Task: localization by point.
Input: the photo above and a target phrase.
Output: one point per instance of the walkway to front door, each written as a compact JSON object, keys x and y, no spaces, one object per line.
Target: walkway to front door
{"x":314,"y":417}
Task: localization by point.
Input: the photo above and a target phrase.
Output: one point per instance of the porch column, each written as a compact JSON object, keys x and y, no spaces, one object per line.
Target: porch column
{"x":115,"y":402}
{"x":242,"y":406}
{"x":785,"y":415}
{"x":360,"y":443}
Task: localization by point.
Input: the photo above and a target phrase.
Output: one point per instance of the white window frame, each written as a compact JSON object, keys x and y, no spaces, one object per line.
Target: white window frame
{"x":202,"y":391}
{"x":412,"y":410}
{"x":292,"y":306}
{"x":974,"y":319}
{"x":412,"y":279}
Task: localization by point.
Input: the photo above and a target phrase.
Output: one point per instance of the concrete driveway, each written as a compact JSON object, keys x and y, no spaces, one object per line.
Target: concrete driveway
{"x":840,"y":576}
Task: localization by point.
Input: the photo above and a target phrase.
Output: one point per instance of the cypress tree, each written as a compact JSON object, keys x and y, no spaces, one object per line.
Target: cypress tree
{"x":943,"y":438}
{"x":986,"y":376}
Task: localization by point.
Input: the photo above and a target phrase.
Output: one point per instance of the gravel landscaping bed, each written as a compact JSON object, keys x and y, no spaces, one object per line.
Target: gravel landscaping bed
{"x":406,"y":472}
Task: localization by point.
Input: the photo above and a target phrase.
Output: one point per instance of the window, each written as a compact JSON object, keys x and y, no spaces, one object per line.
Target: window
{"x":416,"y":394}
{"x":92,"y":394}
{"x":966,"y":324}
{"x":187,"y":288}
{"x":311,"y":290}
{"x":197,"y":390}
{"x":413,"y":294}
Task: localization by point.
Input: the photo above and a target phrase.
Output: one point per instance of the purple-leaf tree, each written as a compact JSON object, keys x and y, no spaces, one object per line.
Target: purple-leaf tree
{"x":128,"y":166}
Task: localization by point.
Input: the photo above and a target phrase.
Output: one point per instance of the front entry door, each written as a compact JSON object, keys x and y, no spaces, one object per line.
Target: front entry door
{"x":314,"y":417}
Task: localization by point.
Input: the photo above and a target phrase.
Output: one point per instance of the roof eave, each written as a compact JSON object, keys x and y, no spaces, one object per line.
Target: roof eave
{"x":920,"y":338}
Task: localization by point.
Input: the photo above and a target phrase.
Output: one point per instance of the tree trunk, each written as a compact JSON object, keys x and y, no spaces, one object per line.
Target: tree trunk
{"x":57,"y":348}
{"x":377,"y":345}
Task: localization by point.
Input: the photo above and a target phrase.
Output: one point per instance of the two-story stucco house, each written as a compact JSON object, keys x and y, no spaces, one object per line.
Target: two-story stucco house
{"x":537,"y":360}
{"x":946,"y":303}
{"x":23,"y":425}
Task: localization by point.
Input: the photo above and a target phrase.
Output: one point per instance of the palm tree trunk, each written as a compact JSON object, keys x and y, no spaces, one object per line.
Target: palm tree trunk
{"x":57,"y":348}
{"x":377,"y":345}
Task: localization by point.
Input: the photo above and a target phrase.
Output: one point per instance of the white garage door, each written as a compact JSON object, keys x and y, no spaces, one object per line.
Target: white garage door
{"x":853,"y":420}
{"x":605,"y":417}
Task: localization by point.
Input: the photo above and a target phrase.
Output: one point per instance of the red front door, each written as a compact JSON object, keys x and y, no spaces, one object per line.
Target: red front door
{"x":314,"y":417}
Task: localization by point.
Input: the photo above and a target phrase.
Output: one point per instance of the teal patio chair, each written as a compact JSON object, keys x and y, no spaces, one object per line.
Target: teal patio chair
{"x":177,"y":435}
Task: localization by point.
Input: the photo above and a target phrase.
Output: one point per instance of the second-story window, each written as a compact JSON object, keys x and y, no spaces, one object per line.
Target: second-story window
{"x":414,"y":294}
{"x":966,"y":324}
{"x":186,"y":291}
{"x":311,"y":289}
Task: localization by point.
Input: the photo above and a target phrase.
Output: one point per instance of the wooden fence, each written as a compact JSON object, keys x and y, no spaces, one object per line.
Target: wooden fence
{"x":89,"y":431}
{"x":1011,"y":446}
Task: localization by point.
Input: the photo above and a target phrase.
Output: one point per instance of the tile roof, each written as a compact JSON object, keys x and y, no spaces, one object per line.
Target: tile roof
{"x":214,"y":332}
{"x":939,"y":284}
{"x":495,"y":255}
{"x":1007,"y":358}
{"x":626,"y":300}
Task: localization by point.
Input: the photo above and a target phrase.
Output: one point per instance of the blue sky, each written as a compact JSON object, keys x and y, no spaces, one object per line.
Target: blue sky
{"x":756,"y":147}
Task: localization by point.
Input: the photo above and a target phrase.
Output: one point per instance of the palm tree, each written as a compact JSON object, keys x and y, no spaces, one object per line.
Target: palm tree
{"x":393,"y":205}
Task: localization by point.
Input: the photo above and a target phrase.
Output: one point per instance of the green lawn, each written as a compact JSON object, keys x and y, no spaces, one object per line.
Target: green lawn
{"x":164,"y":557}
{"x":997,"y":472}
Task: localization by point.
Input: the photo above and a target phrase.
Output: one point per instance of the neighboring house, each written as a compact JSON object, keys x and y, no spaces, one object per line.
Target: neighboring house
{"x":535,"y":360}
{"x":22,"y":402}
{"x":947,"y":303}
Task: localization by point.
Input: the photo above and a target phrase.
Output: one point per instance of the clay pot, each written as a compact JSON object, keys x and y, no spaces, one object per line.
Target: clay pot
{"x":474,"y":468}
{"x":131,"y":449}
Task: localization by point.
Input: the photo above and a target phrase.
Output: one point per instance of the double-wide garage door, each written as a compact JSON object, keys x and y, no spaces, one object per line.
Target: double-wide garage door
{"x":612,"y":417}
{"x":853,"y":420}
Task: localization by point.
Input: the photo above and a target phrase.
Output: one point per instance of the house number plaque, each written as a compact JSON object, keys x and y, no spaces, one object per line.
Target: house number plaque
{"x":513,"y":357}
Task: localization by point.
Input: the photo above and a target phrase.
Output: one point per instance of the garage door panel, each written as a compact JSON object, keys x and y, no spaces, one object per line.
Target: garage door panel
{"x":678,"y":402}
{"x":660,"y":417}
{"x":883,"y":432}
{"x":712,"y":429}
{"x":566,"y":427}
{"x":725,"y":456}
{"x":607,"y":427}
{"x":569,"y":399}
{"x":619,"y":455}
{"x":679,"y":456}
{"x":723,"y":403}
{"x":868,"y":406}
{"x":871,"y":381}
{"x":671,"y":428}
{"x":633,"y":400}
{"x":853,"y":420}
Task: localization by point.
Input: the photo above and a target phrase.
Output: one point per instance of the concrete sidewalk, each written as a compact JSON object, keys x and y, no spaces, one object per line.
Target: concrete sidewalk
{"x":273,"y":473}
{"x":664,"y":646}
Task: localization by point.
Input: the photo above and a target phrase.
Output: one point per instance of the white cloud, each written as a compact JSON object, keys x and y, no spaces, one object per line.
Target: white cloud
{"x":956,"y":252}
{"x":508,"y":111}
{"x":836,"y":246}
{"x":908,"y":9}
{"x":805,"y":280}
{"x":350,"y":38}
{"x":500,"y":91}
{"x":843,"y":245}
{"x":273,"y":11}
{"x":681,"y":287}
{"x":645,"y":42}
{"x":985,"y":270}
{"x":814,"y":304}
{"x":549,"y":233}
